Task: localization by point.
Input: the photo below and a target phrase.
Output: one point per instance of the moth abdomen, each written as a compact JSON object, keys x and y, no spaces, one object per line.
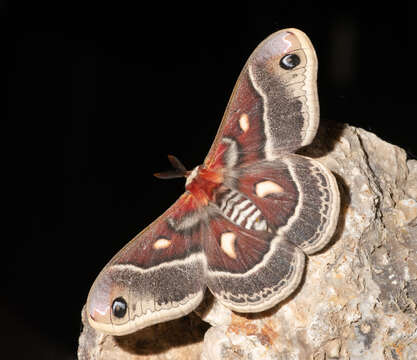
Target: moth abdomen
{"x":240,"y":210}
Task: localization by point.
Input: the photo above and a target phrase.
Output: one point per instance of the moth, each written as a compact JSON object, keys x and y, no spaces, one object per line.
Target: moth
{"x":250,"y":213}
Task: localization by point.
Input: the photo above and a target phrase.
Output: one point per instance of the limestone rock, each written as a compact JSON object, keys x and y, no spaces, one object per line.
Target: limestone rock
{"x":178,"y":339}
{"x":358,"y":296}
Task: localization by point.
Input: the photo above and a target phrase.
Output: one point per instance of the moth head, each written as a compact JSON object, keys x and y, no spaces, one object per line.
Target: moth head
{"x":109,"y":305}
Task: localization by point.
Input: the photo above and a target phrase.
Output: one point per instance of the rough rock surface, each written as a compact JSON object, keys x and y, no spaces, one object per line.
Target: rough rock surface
{"x":358,"y":296}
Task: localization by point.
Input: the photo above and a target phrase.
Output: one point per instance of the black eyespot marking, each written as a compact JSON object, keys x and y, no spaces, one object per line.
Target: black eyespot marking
{"x":290,"y":61}
{"x":119,"y":307}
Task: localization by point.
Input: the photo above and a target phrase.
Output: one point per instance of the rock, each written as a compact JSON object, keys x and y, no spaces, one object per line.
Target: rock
{"x":178,"y":339}
{"x":358,"y":296}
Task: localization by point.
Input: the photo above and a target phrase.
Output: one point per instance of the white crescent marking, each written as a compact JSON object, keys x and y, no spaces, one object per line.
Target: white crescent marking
{"x":244,"y":122}
{"x":227,"y":243}
{"x":161,"y":244}
{"x":267,"y":187}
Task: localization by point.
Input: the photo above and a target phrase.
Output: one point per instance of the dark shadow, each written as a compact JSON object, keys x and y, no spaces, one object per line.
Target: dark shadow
{"x":206,"y":305}
{"x":159,"y":338}
{"x":328,"y":135}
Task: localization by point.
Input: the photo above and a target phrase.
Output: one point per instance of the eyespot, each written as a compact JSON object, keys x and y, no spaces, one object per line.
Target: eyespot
{"x":289,"y":61}
{"x":119,"y":307}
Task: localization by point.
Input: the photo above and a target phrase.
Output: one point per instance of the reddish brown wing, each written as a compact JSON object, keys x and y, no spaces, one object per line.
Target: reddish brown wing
{"x":297,"y":196}
{"x":272,"y":212}
{"x":145,"y":275}
{"x":248,"y":270}
{"x":173,"y":236}
{"x":274,"y":107}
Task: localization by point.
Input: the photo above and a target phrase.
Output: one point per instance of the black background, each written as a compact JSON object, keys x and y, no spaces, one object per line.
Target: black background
{"x":99,"y":94}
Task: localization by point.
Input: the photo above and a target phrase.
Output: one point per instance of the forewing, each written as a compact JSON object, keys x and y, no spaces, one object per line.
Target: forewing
{"x":273,"y":108}
{"x":160,"y":274}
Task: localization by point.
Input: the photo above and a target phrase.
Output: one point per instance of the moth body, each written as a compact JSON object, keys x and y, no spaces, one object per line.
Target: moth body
{"x":202,"y":184}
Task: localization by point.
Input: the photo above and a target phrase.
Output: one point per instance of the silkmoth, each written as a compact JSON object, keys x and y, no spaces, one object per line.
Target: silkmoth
{"x":250,"y":213}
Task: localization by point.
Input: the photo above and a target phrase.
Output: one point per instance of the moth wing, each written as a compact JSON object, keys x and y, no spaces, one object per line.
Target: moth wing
{"x":273,"y":108}
{"x":247,"y":270}
{"x":298,"y":197}
{"x":273,"y":213}
{"x":159,"y":275}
